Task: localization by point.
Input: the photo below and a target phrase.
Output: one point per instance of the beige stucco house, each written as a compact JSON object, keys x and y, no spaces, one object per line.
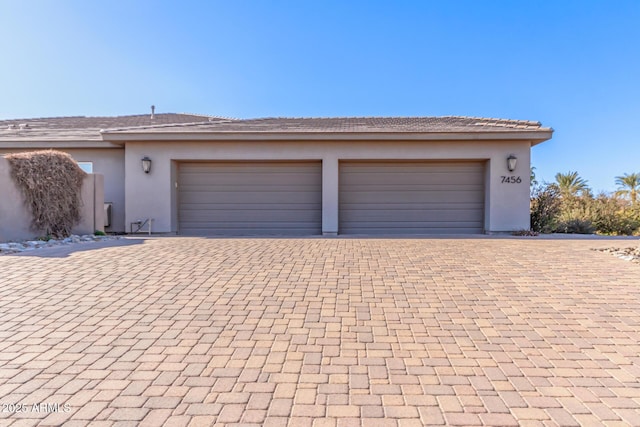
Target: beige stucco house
{"x":302,"y":176}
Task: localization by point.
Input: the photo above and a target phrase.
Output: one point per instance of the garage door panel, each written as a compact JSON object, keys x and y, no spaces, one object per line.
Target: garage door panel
{"x":238,"y":215}
{"x":263,"y":186}
{"x":428,"y":229}
{"x":255,"y":167}
{"x":402,"y":166}
{"x":417,"y":224}
{"x":414,"y":187}
{"x":402,"y":206}
{"x":251,"y":178}
{"x":410,"y":215}
{"x":250,"y":198}
{"x":450,"y":178}
{"x":416,"y":197}
{"x":253,"y":197}
{"x":245,"y":230}
{"x":188,"y":207}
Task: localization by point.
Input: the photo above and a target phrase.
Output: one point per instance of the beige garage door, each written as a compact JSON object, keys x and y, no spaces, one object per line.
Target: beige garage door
{"x":250,"y":198}
{"x":411,"y":197}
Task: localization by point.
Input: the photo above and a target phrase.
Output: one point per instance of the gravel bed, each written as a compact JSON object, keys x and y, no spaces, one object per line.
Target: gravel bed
{"x":30,"y":245}
{"x":627,"y":254}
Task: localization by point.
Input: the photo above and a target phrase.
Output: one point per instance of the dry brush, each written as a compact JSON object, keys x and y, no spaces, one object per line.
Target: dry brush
{"x":51,"y":183}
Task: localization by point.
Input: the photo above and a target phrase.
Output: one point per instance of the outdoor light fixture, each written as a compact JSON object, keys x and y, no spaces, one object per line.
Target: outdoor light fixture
{"x":511,"y":162}
{"x":146,"y":164}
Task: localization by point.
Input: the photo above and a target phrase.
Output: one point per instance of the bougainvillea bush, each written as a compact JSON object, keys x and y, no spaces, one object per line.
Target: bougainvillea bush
{"x":51,"y":182}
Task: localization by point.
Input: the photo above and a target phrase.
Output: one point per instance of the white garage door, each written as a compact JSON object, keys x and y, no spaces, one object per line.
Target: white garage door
{"x":250,"y":198}
{"x":411,"y":197}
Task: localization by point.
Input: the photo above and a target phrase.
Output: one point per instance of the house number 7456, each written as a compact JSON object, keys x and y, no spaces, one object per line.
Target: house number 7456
{"x":511,"y":179}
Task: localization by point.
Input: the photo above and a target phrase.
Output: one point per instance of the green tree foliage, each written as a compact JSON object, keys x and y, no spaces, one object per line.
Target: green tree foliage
{"x":571,"y":184}
{"x":575,"y":215}
{"x":613,"y":216}
{"x":554,"y":212}
{"x":628,"y":186}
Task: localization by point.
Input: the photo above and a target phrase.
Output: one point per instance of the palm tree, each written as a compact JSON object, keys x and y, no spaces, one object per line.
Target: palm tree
{"x":628,"y":186}
{"x":570,"y":184}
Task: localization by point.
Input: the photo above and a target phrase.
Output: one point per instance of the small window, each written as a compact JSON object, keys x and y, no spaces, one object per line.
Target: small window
{"x":86,"y":166}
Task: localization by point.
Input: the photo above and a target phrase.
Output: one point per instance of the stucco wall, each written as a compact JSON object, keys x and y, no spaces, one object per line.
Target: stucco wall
{"x":15,"y":218}
{"x":153,"y":195}
{"x":108,"y":162}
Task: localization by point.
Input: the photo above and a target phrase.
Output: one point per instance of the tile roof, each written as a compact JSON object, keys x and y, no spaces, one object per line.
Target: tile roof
{"x":86,"y":128}
{"x":348,"y":124}
{"x":80,"y":128}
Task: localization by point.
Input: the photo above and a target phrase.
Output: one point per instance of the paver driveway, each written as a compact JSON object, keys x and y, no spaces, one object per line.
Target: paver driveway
{"x":322,"y":332}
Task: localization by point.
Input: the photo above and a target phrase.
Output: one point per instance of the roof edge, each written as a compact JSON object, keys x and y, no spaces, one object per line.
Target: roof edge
{"x":535,"y":136}
{"x":60,"y":143}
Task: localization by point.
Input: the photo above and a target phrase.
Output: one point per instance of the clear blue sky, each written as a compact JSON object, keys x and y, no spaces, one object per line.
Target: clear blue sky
{"x":573,"y":65}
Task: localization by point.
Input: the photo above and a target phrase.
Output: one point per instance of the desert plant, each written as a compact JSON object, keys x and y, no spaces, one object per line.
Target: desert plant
{"x":628,"y":186}
{"x":570,"y":184}
{"x":99,"y":233}
{"x":576,"y":214}
{"x":610,"y":215}
{"x":570,"y":207}
{"x":575,"y":226}
{"x":50,"y":182}
{"x":545,"y":207}
{"x":527,"y":233}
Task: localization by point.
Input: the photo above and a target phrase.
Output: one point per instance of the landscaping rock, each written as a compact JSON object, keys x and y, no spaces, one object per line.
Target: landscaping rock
{"x":627,"y":254}
{"x":29,"y":245}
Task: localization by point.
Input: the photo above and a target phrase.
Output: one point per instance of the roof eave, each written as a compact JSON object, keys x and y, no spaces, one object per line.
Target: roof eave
{"x":48,"y":144}
{"x":535,"y":136}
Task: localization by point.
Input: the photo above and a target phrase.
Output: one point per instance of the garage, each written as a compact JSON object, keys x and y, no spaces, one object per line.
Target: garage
{"x":330,"y":176}
{"x":411,"y":197}
{"x":250,"y":198}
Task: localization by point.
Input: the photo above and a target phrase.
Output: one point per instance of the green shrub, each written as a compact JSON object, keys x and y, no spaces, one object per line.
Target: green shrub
{"x":570,"y":207}
{"x":575,"y":226}
{"x":614,"y":216}
{"x":575,"y":216}
{"x":545,"y":208}
{"x":99,"y":233}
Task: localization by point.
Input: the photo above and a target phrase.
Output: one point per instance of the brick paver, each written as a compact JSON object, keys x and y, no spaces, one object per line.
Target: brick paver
{"x":321,"y":332}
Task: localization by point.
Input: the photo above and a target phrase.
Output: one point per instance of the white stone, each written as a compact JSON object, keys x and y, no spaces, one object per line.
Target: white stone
{"x":12,"y":247}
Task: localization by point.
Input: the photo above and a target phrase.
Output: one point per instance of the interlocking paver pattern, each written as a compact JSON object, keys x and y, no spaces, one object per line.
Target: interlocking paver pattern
{"x":321,"y":332}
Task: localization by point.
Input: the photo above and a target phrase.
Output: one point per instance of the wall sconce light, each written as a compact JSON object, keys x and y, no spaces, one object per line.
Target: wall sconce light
{"x":511,"y":162}
{"x":146,"y":164}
